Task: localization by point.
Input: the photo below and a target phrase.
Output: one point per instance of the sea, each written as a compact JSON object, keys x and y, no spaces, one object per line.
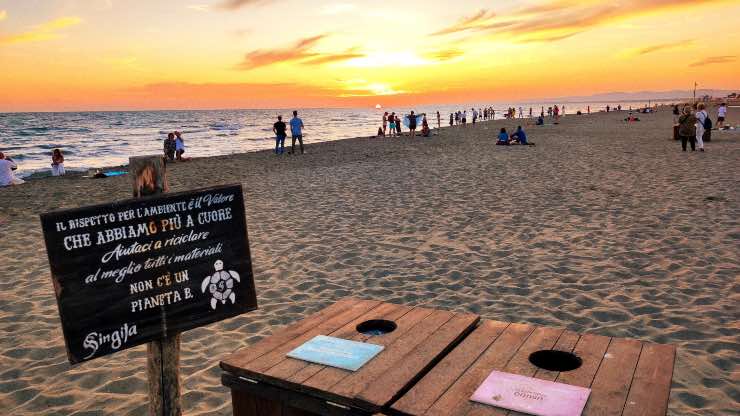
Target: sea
{"x":94,"y":140}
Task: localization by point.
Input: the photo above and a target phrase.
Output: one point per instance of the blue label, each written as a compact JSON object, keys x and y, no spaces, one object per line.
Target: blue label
{"x":336,"y":352}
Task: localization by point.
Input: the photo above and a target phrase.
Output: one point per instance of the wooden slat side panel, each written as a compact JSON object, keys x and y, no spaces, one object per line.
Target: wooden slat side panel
{"x":455,"y":401}
{"x":443,"y":375}
{"x":406,"y":368}
{"x":591,"y":350}
{"x":372,"y":371}
{"x":242,"y":404}
{"x":256,"y":367}
{"x":245,"y":355}
{"x":612,"y":382}
{"x":310,"y":370}
{"x":542,"y":338}
{"x":289,"y":366}
{"x":328,"y":377}
{"x":651,"y":384}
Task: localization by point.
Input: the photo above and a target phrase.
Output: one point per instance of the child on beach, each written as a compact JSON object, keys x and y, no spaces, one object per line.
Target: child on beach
{"x":179,"y":146}
{"x":503,"y":138}
{"x":7,"y":177}
{"x":721,"y":114}
{"x":57,"y":163}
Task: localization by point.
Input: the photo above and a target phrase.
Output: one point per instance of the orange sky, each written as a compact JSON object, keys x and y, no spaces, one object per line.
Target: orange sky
{"x":155,"y":54}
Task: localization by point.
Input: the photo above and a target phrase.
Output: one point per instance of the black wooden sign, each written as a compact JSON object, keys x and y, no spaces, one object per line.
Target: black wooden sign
{"x":133,"y":271}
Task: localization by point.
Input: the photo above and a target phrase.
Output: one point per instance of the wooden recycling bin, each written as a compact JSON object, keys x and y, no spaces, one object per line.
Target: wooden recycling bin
{"x":264,"y":381}
{"x":626,"y":377}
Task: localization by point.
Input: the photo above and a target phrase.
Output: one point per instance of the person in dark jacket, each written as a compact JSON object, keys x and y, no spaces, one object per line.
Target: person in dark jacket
{"x":687,"y":128}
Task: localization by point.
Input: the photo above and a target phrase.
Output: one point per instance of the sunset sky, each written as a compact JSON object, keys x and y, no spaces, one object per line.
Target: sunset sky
{"x":162,"y":54}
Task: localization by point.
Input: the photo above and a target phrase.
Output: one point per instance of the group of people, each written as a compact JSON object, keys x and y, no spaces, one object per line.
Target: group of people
{"x":391,"y":126}
{"x":8,"y":168}
{"x":518,"y":137}
{"x":296,"y":132}
{"x":174,"y":147}
{"x":692,"y":122}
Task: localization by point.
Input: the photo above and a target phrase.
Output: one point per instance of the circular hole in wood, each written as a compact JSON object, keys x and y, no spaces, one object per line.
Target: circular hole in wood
{"x":376,"y":327}
{"x":554,"y":360}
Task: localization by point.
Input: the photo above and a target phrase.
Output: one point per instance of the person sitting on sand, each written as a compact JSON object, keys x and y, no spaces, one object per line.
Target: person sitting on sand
{"x":179,"y":146}
{"x":503,"y":138}
{"x":170,"y":147}
{"x":7,"y":166}
{"x":631,"y":117}
{"x":540,"y":121}
{"x":425,"y":127}
{"x":687,"y":128}
{"x":521,"y":137}
{"x":380,"y":132}
{"x":57,"y":163}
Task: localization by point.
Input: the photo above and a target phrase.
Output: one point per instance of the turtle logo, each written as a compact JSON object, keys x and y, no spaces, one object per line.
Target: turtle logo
{"x":220,"y":284}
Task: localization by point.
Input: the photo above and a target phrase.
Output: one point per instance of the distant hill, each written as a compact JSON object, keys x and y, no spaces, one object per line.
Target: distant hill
{"x":644,"y":95}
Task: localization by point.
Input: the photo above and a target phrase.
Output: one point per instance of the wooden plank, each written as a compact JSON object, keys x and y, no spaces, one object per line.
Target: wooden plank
{"x":591,"y":349}
{"x":410,"y":367}
{"x":542,"y":338}
{"x":328,"y":377}
{"x":258,"y":366}
{"x":612,"y":382}
{"x":651,"y":384}
{"x":163,"y":373}
{"x":455,"y":401}
{"x":308,"y":371}
{"x":242,"y":404}
{"x":443,"y":375}
{"x":289,"y":366}
{"x":248,"y":354}
{"x":361,"y":379}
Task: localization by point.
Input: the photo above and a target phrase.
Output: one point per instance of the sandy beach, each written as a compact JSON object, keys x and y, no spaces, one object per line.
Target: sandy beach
{"x":603,"y":227}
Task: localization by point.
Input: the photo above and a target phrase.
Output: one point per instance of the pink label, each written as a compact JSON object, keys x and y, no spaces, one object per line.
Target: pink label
{"x":531,"y":395}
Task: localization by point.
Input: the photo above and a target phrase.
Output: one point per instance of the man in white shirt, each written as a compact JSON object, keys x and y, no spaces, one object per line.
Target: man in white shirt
{"x":701,"y":117}
{"x":7,"y":177}
{"x":721,"y":114}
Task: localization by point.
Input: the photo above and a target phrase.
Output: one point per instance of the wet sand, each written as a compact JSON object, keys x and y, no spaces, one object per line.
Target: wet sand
{"x":603,"y":227}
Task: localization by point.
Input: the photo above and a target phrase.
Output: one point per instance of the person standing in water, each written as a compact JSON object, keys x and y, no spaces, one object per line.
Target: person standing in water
{"x":412,"y":124}
{"x":296,"y":131}
{"x":57,"y":163}
{"x":279,"y":129}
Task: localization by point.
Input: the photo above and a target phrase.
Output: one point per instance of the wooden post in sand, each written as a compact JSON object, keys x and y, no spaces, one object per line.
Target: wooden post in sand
{"x":149,"y":177}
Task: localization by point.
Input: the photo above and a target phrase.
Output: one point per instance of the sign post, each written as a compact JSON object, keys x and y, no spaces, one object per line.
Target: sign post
{"x":146,"y":269}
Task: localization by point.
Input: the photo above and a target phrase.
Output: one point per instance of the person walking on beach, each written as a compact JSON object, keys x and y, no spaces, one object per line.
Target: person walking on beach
{"x":169,"y":147}
{"x":279,"y":129}
{"x":721,"y":114}
{"x":412,"y":124}
{"x":464,"y":117}
{"x":296,"y":132}
{"x":687,"y":128}
{"x":7,"y":177}
{"x":439,"y":121}
{"x":179,"y":146}
{"x":452,"y":119}
{"x":475,"y":115}
{"x":701,"y":123}
{"x":57,"y":163}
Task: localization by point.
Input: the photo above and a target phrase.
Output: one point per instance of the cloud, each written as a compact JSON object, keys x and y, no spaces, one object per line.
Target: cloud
{"x":555,"y":20}
{"x":45,"y":31}
{"x":199,"y":7}
{"x":3,"y":15}
{"x":300,"y":52}
{"x":715,"y":60}
{"x":657,"y":48}
{"x":444,"y":54}
{"x":466,"y":23}
{"x":238,"y":4}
